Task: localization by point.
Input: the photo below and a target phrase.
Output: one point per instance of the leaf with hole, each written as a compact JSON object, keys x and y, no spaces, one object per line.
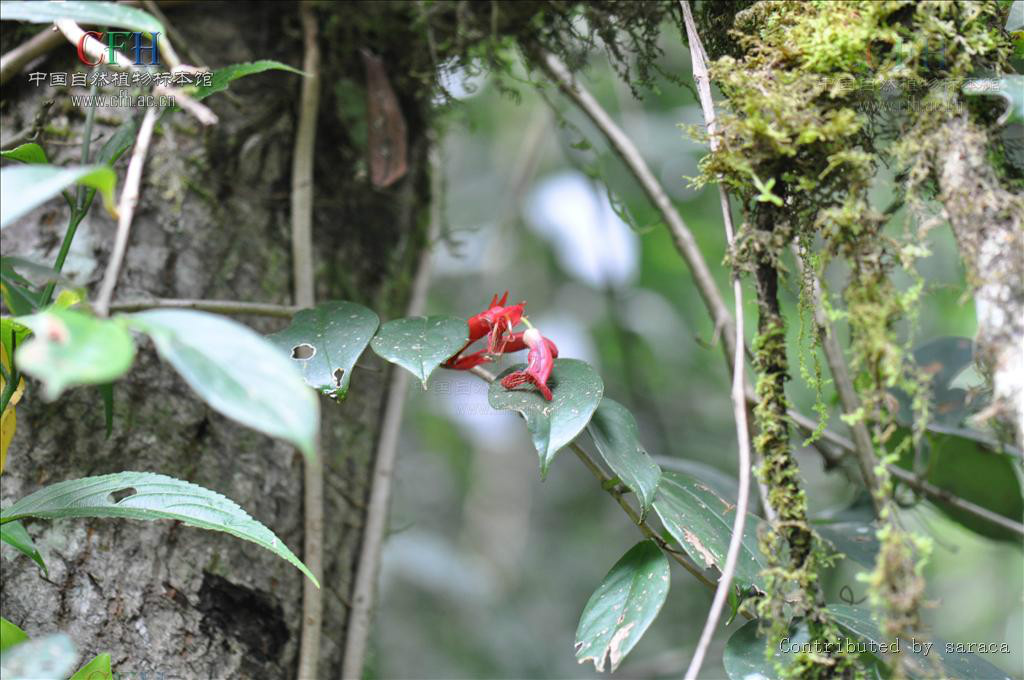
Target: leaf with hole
{"x":623,"y":606}
{"x":25,"y":187}
{"x":29,"y":152}
{"x":222,"y":77}
{"x":15,"y":535}
{"x":614,"y":431}
{"x":51,"y":656}
{"x":71,"y":348}
{"x":236,"y":371}
{"x":10,"y":634}
{"x":325,"y":342}
{"x":92,"y":13}
{"x":97,"y":669}
{"x":148,"y":496}
{"x":701,"y":522}
{"x":576,"y":390}
{"x":420,"y":344}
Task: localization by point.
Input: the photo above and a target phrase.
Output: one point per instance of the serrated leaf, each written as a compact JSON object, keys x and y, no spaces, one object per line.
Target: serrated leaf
{"x":420,"y":344}
{"x":15,"y":535}
{"x":71,"y":348}
{"x":325,"y":342}
{"x":10,"y":634}
{"x":576,"y":390}
{"x":222,"y":77}
{"x":25,"y":187}
{"x":236,"y":371}
{"x":30,"y":153}
{"x":623,"y":606}
{"x":102,"y":13}
{"x":51,"y":656}
{"x":701,"y":521}
{"x":97,"y":669}
{"x":614,"y":431}
{"x":148,"y":496}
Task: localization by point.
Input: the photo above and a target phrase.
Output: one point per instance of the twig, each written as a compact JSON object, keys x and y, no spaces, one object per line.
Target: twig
{"x":215,"y":306}
{"x":97,"y":50}
{"x":41,"y":43}
{"x":303,"y":280}
{"x":126,"y":210}
{"x":166,"y":47}
{"x":739,"y":406}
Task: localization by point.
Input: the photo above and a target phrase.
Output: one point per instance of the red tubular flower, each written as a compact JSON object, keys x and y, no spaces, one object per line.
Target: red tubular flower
{"x":539,"y":363}
{"x":515,"y":342}
{"x":492,"y":322}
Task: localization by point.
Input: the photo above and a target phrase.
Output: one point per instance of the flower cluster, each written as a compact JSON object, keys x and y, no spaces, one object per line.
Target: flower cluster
{"x":496,"y":324}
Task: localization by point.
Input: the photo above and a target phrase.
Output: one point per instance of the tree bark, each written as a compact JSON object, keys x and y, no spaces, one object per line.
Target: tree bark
{"x":212,"y":223}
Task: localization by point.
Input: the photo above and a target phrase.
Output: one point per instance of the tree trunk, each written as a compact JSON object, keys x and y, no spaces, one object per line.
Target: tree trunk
{"x":212,"y":223}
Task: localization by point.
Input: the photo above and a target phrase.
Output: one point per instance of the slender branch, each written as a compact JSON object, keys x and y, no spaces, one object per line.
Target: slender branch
{"x":215,"y":306}
{"x":126,"y":210}
{"x":15,"y":60}
{"x":303,"y":280}
{"x":700,"y":77}
{"x":165,"y":46}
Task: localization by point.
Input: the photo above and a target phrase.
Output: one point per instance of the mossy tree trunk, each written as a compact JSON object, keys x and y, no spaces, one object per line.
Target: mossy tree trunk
{"x":213,"y":223}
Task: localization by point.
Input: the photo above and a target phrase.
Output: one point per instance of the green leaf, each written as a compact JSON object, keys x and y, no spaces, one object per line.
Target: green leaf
{"x":325,"y":342}
{"x":118,"y":143}
{"x":52,"y":656}
{"x":25,"y":187}
{"x":701,"y":522}
{"x":576,"y":390}
{"x":29,"y":152}
{"x":237,"y":372}
{"x":419,"y":344}
{"x":71,"y":348}
{"x":10,"y":634}
{"x":615,"y":435}
{"x":224,"y":76}
{"x":1009,"y":87}
{"x":97,"y":669}
{"x":15,"y":535}
{"x":107,"y":395}
{"x":12,"y":334}
{"x":856,"y":540}
{"x":623,"y":606}
{"x":148,"y":496}
{"x":102,"y":13}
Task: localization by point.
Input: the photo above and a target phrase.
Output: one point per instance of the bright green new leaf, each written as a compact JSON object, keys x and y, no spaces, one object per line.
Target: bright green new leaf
{"x":576,"y":389}
{"x":15,"y":535}
{"x":222,"y":77}
{"x":623,"y":606}
{"x":148,"y":496}
{"x":51,"y":656}
{"x":615,"y":435}
{"x":10,"y":634}
{"x":419,"y":344}
{"x":101,"y":13}
{"x":25,"y":187}
{"x":97,"y":669}
{"x":30,"y":153}
{"x":325,"y":342}
{"x":71,"y":348}
{"x":237,"y":372}
{"x":701,"y":522}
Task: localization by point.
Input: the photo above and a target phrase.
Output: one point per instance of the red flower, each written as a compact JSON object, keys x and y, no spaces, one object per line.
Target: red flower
{"x":539,"y":363}
{"x":492,"y":322}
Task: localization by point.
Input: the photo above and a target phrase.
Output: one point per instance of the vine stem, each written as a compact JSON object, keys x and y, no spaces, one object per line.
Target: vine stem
{"x":215,"y":306}
{"x":126,"y":210}
{"x":303,"y":280}
{"x":739,"y":407}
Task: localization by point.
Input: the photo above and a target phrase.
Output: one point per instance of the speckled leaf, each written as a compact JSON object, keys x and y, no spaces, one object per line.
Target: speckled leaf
{"x":325,"y":342}
{"x":51,"y":656}
{"x":148,"y":496}
{"x":623,"y":606}
{"x":419,"y":344}
{"x":576,"y":390}
{"x":615,"y":435}
{"x":15,"y":535}
{"x":701,"y":521}
{"x":237,"y":372}
{"x":71,"y":348}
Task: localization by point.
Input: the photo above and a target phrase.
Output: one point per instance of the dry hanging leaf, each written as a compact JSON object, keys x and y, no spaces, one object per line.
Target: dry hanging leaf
{"x":386,"y":136}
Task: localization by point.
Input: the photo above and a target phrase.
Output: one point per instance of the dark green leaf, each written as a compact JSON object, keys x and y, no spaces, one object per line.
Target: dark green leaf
{"x":615,"y":435}
{"x":325,"y":342}
{"x":856,"y":540}
{"x":101,"y":13}
{"x":148,"y":496}
{"x":107,"y":395}
{"x":25,"y":187}
{"x":623,"y":606}
{"x":29,"y":152}
{"x":419,"y":344}
{"x":118,"y":143}
{"x":19,"y":298}
{"x":576,"y":389}
{"x":701,"y":522}
{"x":15,"y":535}
{"x":71,"y":348}
{"x":223,"y":76}
{"x":10,"y":634}
{"x":52,"y":656}
{"x":97,"y":669}
{"x":237,"y":372}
